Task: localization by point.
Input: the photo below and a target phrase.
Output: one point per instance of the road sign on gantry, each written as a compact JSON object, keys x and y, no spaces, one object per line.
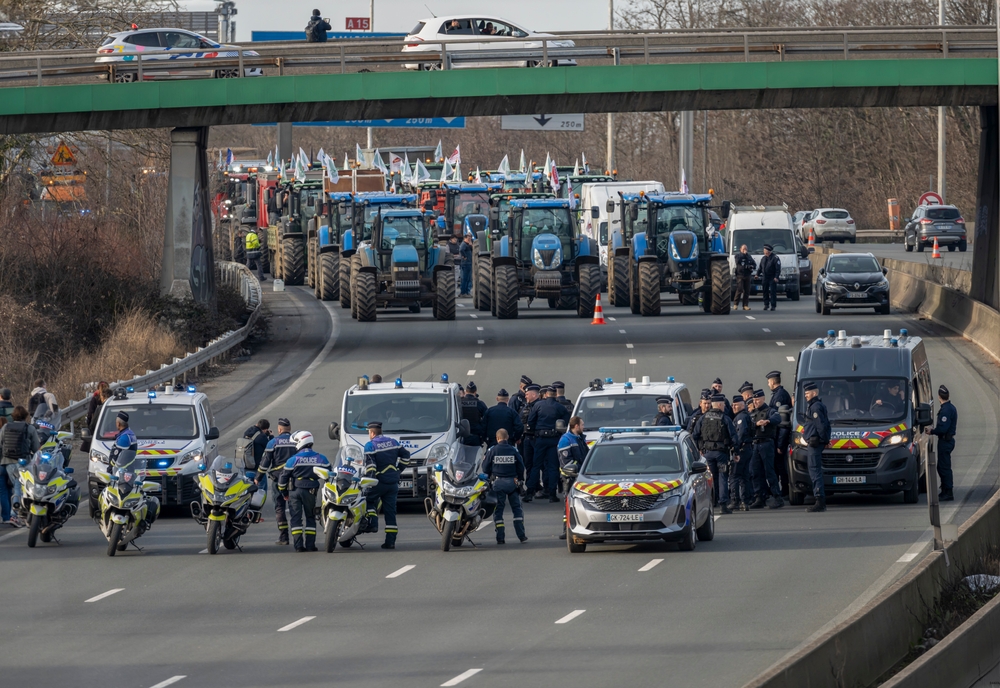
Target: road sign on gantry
{"x":931,"y":198}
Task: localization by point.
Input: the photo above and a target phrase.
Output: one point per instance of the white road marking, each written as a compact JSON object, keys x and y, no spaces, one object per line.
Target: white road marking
{"x":169,"y":682}
{"x":109,"y":593}
{"x":480,"y":341}
{"x":479,"y":355}
{"x":651,"y":565}
{"x":765,"y":329}
{"x":629,"y":346}
{"x":473,"y":315}
{"x":750,"y":317}
{"x":780,"y":343}
{"x":790,"y":358}
{"x":908,"y":557}
{"x":483,"y":525}
{"x":204,"y":551}
{"x":621,"y":331}
{"x":611,"y":319}
{"x":295,"y":624}
{"x":572,"y":615}
{"x":718,"y":516}
{"x":461,"y":677}
{"x":8,"y":536}
{"x":471,"y":372}
{"x":400,"y":572}
{"x":480,"y":329}
{"x":631,"y":361}
{"x":461,"y":305}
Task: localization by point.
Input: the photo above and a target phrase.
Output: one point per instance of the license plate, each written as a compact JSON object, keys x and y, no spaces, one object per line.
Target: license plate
{"x":619,"y":518}
{"x":857,"y":295}
{"x":944,"y":226}
{"x":406,"y":484}
{"x":849,"y":479}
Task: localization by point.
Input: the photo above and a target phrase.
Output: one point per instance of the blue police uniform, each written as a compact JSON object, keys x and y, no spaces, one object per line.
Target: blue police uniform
{"x":780,"y":397}
{"x":473,"y":410}
{"x":762,"y":458}
{"x":740,"y":488}
{"x":531,"y":468}
{"x":572,"y":449}
{"x":542,"y":420}
{"x":945,"y":430}
{"x":276,"y":455}
{"x":124,"y":441}
{"x":504,"y":466}
{"x":383,"y":458}
{"x":816,"y":432}
{"x":502,"y":416}
{"x":715,"y":436}
{"x":299,"y":483}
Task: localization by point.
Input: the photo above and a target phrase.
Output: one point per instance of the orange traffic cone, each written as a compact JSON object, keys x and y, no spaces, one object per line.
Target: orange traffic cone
{"x":937,"y":251}
{"x":598,"y":312}
{"x":812,"y":238}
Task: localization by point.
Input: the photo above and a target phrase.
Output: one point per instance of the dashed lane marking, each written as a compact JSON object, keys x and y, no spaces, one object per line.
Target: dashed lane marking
{"x":611,"y":319}
{"x":480,"y":341}
{"x":629,"y":346}
{"x":296,"y":624}
{"x":780,"y":343}
{"x":483,"y":525}
{"x":908,"y":557}
{"x":750,"y":317}
{"x":621,"y":331}
{"x":400,"y":572}
{"x":718,"y":516}
{"x":169,"y":682}
{"x":480,"y":329}
{"x":572,"y":615}
{"x":479,"y":355}
{"x":204,"y":551}
{"x":471,"y":372}
{"x":631,"y":361}
{"x":651,"y":565}
{"x":790,"y":358}
{"x":473,"y":315}
{"x":109,"y":593}
{"x":461,"y":677}
{"x":765,"y":329}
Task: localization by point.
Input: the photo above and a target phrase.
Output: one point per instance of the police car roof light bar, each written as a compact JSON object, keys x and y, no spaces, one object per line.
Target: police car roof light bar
{"x":129,"y":389}
{"x":646,"y":429}
{"x":444,"y":378}
{"x":670,"y":378}
{"x":191,"y":389}
{"x":399,"y":383}
{"x":151,"y":394}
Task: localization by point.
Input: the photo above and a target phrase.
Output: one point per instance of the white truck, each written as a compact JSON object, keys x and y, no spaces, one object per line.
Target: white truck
{"x":596,"y":221}
{"x":756,"y":225}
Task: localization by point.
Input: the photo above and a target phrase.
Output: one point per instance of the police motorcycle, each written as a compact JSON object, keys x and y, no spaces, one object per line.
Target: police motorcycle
{"x":229,"y":503}
{"x":343,"y":500}
{"x":462,"y":496}
{"x":125,"y":508}
{"x":49,"y":495}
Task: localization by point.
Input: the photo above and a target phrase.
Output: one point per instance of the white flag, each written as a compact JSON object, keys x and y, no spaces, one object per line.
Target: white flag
{"x":347,"y":162}
{"x":523,"y":166}
{"x":504,"y":167}
{"x":359,"y":157}
{"x":547,"y":165}
{"x":407,"y":172}
{"x":554,"y":176}
{"x":420,"y":172}
{"x":300,"y":169}
{"x":395,"y":163}
{"x":379,"y":163}
{"x":456,"y":157}
{"x":321,"y":156}
{"x":586,"y":167}
{"x":304,"y":159}
{"x":438,"y":153}
{"x":457,"y":174}
{"x":684,"y":182}
{"x":330,"y":165}
{"x":479,"y":177}
{"x":446,"y":171}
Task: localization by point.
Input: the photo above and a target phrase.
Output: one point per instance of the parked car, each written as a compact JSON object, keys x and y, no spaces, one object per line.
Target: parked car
{"x":941,"y":222}
{"x":805,"y":270}
{"x":852,"y":280}
{"x":478,"y":34}
{"x":829,"y":224}
{"x":157,"y":45}
{"x":797,"y":220}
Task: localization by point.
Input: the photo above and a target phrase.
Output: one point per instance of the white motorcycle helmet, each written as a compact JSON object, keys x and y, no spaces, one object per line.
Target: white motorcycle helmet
{"x":302,"y":439}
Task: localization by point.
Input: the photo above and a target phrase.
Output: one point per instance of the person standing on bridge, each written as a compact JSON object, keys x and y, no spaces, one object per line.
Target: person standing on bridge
{"x":945,"y":430}
{"x":276,"y":455}
{"x":769,"y":271}
{"x":316,"y":28}
{"x":816,"y":433}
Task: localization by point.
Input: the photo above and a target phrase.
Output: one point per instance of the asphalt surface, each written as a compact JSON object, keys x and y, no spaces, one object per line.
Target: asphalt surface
{"x":713,"y":617}
{"x":951,"y":259}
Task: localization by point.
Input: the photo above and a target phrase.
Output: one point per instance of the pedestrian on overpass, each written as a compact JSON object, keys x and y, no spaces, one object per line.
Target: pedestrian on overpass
{"x":543,"y":419}
{"x":743,"y":269}
{"x":945,"y":430}
{"x":505,"y":468}
{"x":502,"y":417}
{"x":276,"y":455}
{"x":299,"y":484}
{"x":383,"y":458}
{"x":765,"y":429}
{"x":316,"y":28}
{"x":816,"y":433}
{"x":769,"y":271}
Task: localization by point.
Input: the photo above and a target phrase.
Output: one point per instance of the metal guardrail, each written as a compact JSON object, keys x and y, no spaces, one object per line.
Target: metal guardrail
{"x":234,"y":274}
{"x":642,"y":47}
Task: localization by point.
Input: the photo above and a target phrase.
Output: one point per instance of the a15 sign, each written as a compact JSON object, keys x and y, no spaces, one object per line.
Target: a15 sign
{"x":359,"y":24}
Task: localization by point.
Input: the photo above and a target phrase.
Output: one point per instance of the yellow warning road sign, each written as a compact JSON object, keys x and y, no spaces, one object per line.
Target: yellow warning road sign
{"x":63,"y":156}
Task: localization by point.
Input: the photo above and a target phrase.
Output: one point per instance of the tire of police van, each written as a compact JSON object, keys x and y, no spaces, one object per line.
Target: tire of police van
{"x":364,"y":294}
{"x":618,"y":282}
{"x":344,"y":275}
{"x":444,"y":295}
{"x":722,"y":287}
{"x":573,"y":546}
{"x":793,"y":295}
{"x":706,"y":533}
{"x":912,"y":495}
{"x":446,"y":531}
{"x":507,"y":292}
{"x":293,"y":255}
{"x":633,"y":290}
{"x":113,"y":538}
{"x":329,"y":278}
{"x":690,"y":540}
{"x":590,"y":287}
{"x":649,"y":289}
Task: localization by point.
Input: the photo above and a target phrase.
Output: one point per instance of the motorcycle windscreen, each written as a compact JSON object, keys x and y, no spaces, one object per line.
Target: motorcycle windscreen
{"x":223,"y":471}
{"x":462,"y":467}
{"x":44,"y":465}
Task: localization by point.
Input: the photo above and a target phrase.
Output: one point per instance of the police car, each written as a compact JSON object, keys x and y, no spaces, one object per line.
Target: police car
{"x":641,"y":484}
{"x":175,"y":430}
{"x":424,"y":417}
{"x":161,"y":48}
{"x":614,"y":404}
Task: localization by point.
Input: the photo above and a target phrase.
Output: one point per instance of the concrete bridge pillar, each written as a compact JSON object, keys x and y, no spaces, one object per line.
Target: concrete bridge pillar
{"x":188,"y":260}
{"x":986,"y":240}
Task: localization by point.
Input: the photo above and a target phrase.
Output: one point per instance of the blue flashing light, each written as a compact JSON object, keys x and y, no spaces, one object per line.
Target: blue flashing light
{"x":670,"y":379}
{"x":831,"y":333}
{"x":191,"y":389}
{"x":399,"y":383}
{"x":643,"y":429}
{"x":894,"y":342}
{"x":444,"y":378}
{"x":46,"y":457}
{"x":819,"y":343}
{"x":151,"y":394}
{"x":608,"y":381}
{"x":163,"y":463}
{"x":903,"y":333}
{"x":130,"y":389}
{"x":438,"y":467}
{"x":628,"y":385}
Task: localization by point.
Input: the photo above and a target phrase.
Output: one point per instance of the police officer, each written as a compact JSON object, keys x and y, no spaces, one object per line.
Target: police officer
{"x":780,"y":397}
{"x":715,"y":436}
{"x":254,"y":253}
{"x":664,"y":410}
{"x":765,"y":429}
{"x":572,"y":450}
{"x":259,"y":435}
{"x":124,"y":440}
{"x":717,"y":389}
{"x":769,"y":271}
{"x":383,"y":458}
{"x":473,"y":410}
{"x":506,"y":470}
{"x":746,"y":391}
{"x":542,"y":419}
{"x":945,"y":429}
{"x":531,"y":469}
{"x":561,"y":396}
{"x":298,"y":485}
{"x":744,"y":267}
{"x":502,"y":416}
{"x":740,"y":487}
{"x":816,"y":433}
{"x":703,"y":405}
{"x":276,"y":455}
{"x":518,"y":401}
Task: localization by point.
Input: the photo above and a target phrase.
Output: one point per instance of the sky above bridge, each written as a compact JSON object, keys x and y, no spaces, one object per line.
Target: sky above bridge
{"x":403,"y":15}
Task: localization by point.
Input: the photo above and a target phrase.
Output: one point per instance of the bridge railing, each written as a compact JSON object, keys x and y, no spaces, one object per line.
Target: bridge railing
{"x":635,"y":47}
{"x":235,"y":275}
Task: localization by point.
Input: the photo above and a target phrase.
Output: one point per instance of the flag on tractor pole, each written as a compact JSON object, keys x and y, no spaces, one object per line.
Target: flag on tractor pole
{"x":684,"y":183}
{"x":420,"y":172}
{"x":547,"y":165}
{"x":300,"y":169}
{"x":269,"y":160}
{"x":330,"y":165}
{"x":446,"y":171}
{"x":359,"y":157}
{"x":586,"y":167}
{"x":406,"y":176}
{"x":456,"y":157}
{"x":479,"y":177}
{"x":347,"y":162}
{"x":576,"y":169}
{"x":395,"y":164}
{"x":504,"y":167}
{"x":438,"y":153}
{"x":523,"y":165}
{"x":320,"y":156}
{"x":304,"y":159}
{"x":229,"y":157}
{"x":554,"y":176}
{"x":380,"y":163}
{"x":456,"y":175}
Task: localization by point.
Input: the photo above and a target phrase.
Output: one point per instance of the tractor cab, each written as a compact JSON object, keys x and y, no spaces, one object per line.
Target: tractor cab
{"x":401,"y":239}
{"x":543,"y":232}
{"x":501,"y":201}
{"x":463,"y":199}
{"x":365,"y":211}
{"x":671,"y":226}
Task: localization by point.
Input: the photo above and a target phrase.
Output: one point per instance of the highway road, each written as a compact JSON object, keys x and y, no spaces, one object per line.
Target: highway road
{"x":951,"y":259}
{"x":528,"y":614}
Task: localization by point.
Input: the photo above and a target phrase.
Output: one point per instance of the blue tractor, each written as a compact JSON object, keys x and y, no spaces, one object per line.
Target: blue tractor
{"x":403,"y":264}
{"x":361,"y":212}
{"x":326,"y":234}
{"x":665,"y":245}
{"x":538,"y":254}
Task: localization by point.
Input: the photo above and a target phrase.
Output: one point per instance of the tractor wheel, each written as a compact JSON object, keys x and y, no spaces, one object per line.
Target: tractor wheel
{"x":311,"y":251}
{"x":365,"y":286}
{"x":507,"y":292}
{"x":444,"y":303}
{"x":355,"y":268}
{"x":344,"y":271}
{"x":329,"y":276}
{"x":618,"y":282}
{"x":649,"y":289}
{"x":567,"y":303}
{"x":633,"y":288}
{"x":293,"y":264}
{"x":483,"y":288}
{"x":689,"y":299}
{"x":722,"y":288}
{"x":590,"y":287}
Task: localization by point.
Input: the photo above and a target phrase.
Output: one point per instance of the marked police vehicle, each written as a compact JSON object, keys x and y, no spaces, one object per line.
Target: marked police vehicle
{"x":424,"y":417}
{"x":879,"y":397}
{"x":641,"y":484}
{"x":175,"y":430}
{"x":606,"y":403}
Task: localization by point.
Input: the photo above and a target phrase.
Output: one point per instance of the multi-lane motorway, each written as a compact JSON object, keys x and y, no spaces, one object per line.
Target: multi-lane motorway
{"x":528,"y":614}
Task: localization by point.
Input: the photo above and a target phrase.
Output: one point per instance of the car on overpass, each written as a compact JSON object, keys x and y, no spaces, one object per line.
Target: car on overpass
{"x":930,"y":222}
{"x":155,"y":46}
{"x":641,"y":484}
{"x":852,"y":280}
{"x":480,"y":35}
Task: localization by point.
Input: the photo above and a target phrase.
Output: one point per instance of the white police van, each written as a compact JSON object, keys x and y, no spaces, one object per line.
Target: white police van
{"x":606,"y":403}
{"x":175,"y":430}
{"x":424,"y":417}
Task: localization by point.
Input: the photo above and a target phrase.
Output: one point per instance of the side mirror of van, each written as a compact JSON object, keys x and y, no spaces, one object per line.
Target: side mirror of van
{"x":922,"y":415}
{"x":595,"y":212}
{"x":726,"y":207}
{"x":464,"y":429}
{"x":610,"y":207}
{"x":822,"y":272}
{"x":334,"y":430}
{"x":803,"y":252}
{"x":85,"y":434}
{"x":212,"y":434}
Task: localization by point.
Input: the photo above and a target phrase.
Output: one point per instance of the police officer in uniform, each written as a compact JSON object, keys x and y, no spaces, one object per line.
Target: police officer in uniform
{"x":276,"y":455}
{"x":717,"y":389}
{"x":383,"y":458}
{"x":664,"y":411}
{"x":502,"y":416}
{"x":703,"y":405}
{"x":572,"y":450}
{"x":542,"y":419}
{"x":740,"y":486}
{"x":531,"y":469}
{"x":124,"y":440}
{"x":298,"y":485}
{"x":945,"y":430}
{"x":769,"y":271}
{"x":506,"y":470}
{"x":780,"y":397}
{"x":518,"y":400}
{"x":473,"y":410}
{"x":746,"y":391}
{"x":715,"y":436}
{"x":561,"y":396}
{"x":816,"y":433}
{"x":765,"y":429}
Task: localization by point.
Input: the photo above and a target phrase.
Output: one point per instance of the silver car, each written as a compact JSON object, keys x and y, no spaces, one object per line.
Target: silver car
{"x":829,"y":224}
{"x":641,"y":484}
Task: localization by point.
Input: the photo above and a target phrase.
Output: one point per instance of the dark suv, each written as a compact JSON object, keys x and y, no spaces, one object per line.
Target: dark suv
{"x":852,"y":280}
{"x":941,"y":222}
